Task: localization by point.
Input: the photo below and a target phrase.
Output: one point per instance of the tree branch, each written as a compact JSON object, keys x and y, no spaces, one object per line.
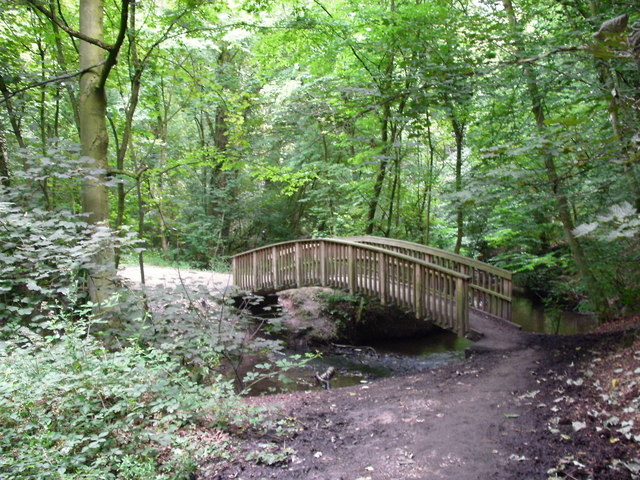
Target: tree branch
{"x":350,"y":45}
{"x":50,"y":80}
{"x":112,"y":58}
{"x":74,"y":33}
{"x":548,"y":54}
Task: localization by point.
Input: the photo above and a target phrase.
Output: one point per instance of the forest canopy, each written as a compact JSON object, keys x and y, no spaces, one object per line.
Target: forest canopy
{"x":503,"y":130}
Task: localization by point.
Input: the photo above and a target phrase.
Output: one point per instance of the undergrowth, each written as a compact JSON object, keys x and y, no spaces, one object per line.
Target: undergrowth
{"x":70,"y":408}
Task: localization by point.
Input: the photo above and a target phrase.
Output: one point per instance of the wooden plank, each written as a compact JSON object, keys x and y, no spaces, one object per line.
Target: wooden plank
{"x":351,"y":270}
{"x":254,"y":271}
{"x":298,"y":274}
{"x":462,"y":320}
{"x":383,"y":286}
{"x":274,"y":267}
{"x":417,"y":290}
{"x":323,"y":263}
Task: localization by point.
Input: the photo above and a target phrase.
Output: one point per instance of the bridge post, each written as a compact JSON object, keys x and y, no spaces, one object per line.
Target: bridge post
{"x":462,"y":304}
{"x":234,"y":271}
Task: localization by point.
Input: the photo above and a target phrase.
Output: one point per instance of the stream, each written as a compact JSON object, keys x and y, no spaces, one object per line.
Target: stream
{"x":361,"y":364}
{"x":530,"y":314}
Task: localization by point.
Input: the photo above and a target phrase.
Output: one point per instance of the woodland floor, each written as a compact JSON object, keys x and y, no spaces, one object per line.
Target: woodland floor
{"x":523,"y":406}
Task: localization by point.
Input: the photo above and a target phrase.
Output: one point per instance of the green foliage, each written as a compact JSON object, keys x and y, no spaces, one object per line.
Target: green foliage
{"x":270,"y":454}
{"x":44,"y":258}
{"x":69,"y":408}
{"x":46,"y":252}
{"x":206,"y":334}
{"x":265,"y":123}
{"x":346,"y":310}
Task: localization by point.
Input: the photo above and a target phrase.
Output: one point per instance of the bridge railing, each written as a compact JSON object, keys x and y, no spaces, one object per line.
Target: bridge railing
{"x":490,"y":287}
{"x":432,"y":292}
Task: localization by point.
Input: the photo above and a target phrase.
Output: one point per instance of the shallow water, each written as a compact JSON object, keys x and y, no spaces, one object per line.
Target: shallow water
{"x":533,"y":317}
{"x":361,"y":364}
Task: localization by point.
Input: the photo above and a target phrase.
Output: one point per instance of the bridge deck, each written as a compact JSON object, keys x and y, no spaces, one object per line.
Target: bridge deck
{"x":432,"y":291}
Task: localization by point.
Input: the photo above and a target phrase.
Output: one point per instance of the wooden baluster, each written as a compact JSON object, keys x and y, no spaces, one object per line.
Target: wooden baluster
{"x":254,"y":271}
{"x":383,"y":286}
{"x":298,"y":273}
{"x":451,"y":303}
{"x":417,"y":291}
{"x":274,"y":267}
{"x":351,"y":273}
{"x":506,"y":314}
{"x":323,"y":263}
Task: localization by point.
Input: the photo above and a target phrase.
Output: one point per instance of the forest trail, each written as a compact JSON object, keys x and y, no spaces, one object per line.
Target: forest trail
{"x":486,"y":417}
{"x":465,"y":421}
{"x":171,"y":277}
{"x":450,"y":423}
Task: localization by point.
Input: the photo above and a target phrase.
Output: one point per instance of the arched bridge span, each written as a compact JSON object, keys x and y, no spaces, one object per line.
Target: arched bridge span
{"x":412,"y":279}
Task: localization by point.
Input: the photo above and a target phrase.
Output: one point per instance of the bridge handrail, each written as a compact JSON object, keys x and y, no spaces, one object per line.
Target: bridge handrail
{"x":472,"y":262}
{"x":490,"y":286}
{"x":372,"y":248}
{"x":433,"y":292}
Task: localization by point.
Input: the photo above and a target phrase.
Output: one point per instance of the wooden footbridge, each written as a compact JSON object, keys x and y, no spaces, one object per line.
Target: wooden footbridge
{"x":436,"y":285}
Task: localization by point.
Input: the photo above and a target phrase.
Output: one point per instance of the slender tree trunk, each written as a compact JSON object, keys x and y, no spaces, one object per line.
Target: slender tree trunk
{"x":610,"y":86}
{"x":429,"y":182}
{"x":5,"y":180}
{"x":395,"y":195}
{"x":458,"y":129}
{"x":382,"y":169}
{"x":13,"y":116}
{"x":595,"y":291}
{"x":62,"y":62}
{"x":132,"y":104}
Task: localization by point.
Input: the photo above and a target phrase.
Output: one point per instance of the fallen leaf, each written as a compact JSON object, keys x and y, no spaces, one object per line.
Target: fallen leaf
{"x":517,"y":458}
{"x":577,"y":426}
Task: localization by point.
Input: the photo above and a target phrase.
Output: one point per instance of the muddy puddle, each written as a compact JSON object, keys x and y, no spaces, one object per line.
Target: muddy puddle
{"x":361,"y":364}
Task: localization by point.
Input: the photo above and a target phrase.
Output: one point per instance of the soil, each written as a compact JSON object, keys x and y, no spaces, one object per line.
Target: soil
{"x":522,"y":406}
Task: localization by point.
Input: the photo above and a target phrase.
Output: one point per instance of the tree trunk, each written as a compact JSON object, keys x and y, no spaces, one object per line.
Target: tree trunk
{"x":429,"y":182}
{"x":62,"y":62}
{"x":13,"y":117}
{"x":5,"y":180}
{"x":382,"y":169}
{"x":458,"y":130}
{"x":595,"y":291}
{"x":94,"y":142}
{"x":134,"y":83}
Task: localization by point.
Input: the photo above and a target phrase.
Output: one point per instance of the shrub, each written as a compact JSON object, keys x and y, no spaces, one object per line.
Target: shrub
{"x":69,"y":408}
{"x":43,"y":260}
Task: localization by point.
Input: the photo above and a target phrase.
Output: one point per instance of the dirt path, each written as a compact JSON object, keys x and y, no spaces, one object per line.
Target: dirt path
{"x":459,"y":422}
{"x":451,"y":423}
{"x":486,"y":418}
{"x":174,"y":277}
